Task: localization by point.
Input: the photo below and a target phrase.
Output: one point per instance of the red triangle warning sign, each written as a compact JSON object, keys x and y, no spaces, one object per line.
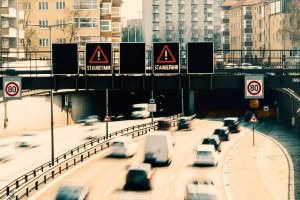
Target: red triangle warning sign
{"x":99,"y":57}
{"x":166,"y":56}
{"x":253,"y":119}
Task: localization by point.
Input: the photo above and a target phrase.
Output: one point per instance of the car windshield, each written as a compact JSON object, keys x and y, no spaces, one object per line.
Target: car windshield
{"x":68,"y":193}
{"x":136,"y":176}
{"x":204,"y":153}
{"x":138,"y":109}
{"x":228,"y":122}
{"x":119,"y":144}
{"x":208,"y":141}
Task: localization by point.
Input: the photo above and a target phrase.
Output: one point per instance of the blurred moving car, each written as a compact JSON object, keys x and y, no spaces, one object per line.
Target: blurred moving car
{"x":159,"y":147}
{"x":139,"y":177}
{"x":123,"y":146}
{"x":184,"y":123}
{"x":6,"y":150}
{"x":140,"y":110}
{"x":89,"y":120}
{"x":72,"y":191}
{"x":231,"y":66}
{"x":206,"y":155}
{"x":214,"y":140}
{"x":201,"y":189}
{"x":163,"y":124}
{"x":233,"y":124}
{"x":117,"y":117}
{"x":28,"y":139}
{"x":223,"y":133}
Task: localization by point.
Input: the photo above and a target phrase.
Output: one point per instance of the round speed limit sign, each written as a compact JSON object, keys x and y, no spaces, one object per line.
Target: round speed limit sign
{"x":12,"y":89}
{"x":254,"y":87}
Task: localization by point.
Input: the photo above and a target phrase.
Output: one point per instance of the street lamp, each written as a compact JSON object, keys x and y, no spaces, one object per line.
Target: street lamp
{"x":51,"y":90}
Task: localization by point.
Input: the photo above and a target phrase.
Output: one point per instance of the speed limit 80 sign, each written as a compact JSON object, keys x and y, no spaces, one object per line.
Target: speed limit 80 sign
{"x":254,"y":87}
{"x":12,"y":87}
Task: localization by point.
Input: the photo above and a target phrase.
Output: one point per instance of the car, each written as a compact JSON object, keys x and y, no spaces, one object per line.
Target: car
{"x":89,"y":120}
{"x":163,"y":124}
{"x":233,"y":124}
{"x":117,"y":117}
{"x":28,"y":139}
{"x":250,"y":66}
{"x":159,"y":147}
{"x":184,"y":123}
{"x":72,"y":191}
{"x":140,"y":110}
{"x":206,"y":155}
{"x":231,"y":66}
{"x":214,"y":140}
{"x":223,"y":133}
{"x":201,"y":189}
{"x":139,"y":177}
{"x":123,"y":146}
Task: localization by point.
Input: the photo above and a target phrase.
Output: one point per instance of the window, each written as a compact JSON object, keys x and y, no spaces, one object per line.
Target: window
{"x":85,"y":22}
{"x":82,"y":40}
{"x":27,"y":6}
{"x":105,"y":25}
{"x":85,"y":4}
{"x":43,"y":5}
{"x":105,"y":8}
{"x":116,"y":26}
{"x":61,"y":24}
{"x":60,"y":5}
{"x":115,"y":12}
{"x":44,"y":43}
{"x":62,"y":40}
{"x":43,"y":23}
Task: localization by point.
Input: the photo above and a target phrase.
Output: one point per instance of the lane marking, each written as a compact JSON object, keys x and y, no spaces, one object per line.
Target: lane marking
{"x":108,"y":191}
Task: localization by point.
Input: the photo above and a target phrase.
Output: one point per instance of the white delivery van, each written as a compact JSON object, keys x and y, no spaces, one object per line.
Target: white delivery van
{"x":140,"y":110}
{"x":123,"y":146}
{"x":158,"y":147}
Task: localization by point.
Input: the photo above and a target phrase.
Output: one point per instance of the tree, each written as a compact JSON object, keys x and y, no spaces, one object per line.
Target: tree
{"x":30,"y":33}
{"x":291,"y":21}
{"x":71,"y":30}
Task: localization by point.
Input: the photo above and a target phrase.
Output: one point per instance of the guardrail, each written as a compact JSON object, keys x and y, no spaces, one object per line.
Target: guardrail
{"x":28,"y":183}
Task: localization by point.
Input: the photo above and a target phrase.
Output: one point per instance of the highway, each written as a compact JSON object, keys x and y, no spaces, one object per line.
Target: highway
{"x":105,"y":176}
{"x":22,"y":160}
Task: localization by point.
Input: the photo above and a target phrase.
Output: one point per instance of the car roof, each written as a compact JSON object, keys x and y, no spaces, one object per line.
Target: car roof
{"x":222,"y":128}
{"x":160,"y":132}
{"x":140,"y":166}
{"x":214,"y":137}
{"x":206,"y":147}
{"x":231,"y":118}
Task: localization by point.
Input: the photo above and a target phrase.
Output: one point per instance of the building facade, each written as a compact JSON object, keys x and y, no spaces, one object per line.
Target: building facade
{"x":12,"y":32}
{"x":70,"y":21}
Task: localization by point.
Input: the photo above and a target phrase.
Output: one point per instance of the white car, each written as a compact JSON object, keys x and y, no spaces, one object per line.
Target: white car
{"x":123,"y":146}
{"x":231,"y":66}
{"x":201,"y":189}
{"x":206,"y":155}
{"x":28,"y":139}
{"x":6,"y":150}
{"x":71,"y":191}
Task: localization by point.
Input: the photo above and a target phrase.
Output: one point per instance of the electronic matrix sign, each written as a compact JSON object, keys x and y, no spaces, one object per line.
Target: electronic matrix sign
{"x":166,"y":58}
{"x":98,"y":58}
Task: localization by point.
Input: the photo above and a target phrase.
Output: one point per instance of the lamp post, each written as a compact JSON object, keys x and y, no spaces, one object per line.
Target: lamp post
{"x":51,"y":90}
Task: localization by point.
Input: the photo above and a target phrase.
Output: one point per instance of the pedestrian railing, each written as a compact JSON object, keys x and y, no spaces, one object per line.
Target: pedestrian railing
{"x":30,"y":182}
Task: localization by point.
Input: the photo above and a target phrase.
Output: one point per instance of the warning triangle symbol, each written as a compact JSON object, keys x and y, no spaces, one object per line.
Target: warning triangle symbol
{"x":99,"y":57}
{"x":166,"y":56}
{"x":253,"y":119}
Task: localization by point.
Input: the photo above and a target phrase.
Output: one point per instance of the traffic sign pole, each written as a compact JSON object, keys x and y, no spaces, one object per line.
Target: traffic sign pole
{"x":253,"y":133}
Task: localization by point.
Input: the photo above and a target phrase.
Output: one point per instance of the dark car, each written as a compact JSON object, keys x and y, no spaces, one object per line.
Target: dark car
{"x":223,"y":133}
{"x":233,"y":124}
{"x":213,"y":140}
{"x":139,"y":177}
{"x":163,"y":124}
{"x":184,"y":123}
{"x":117,"y":117}
{"x":72,"y":192}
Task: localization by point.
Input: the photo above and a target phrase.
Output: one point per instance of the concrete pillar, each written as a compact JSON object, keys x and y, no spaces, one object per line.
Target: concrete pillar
{"x":191,"y":102}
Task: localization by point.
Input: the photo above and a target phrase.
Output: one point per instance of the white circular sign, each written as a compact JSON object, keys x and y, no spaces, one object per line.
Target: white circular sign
{"x":12,"y":89}
{"x":254,"y":87}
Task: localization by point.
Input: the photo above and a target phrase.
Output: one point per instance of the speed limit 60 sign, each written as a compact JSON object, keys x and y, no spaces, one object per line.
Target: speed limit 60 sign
{"x":12,"y":87}
{"x":254,"y":87}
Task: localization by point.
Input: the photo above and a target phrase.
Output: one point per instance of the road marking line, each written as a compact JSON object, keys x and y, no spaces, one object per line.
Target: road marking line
{"x":120,"y":176}
{"x":167,"y":193}
{"x":108,"y":190}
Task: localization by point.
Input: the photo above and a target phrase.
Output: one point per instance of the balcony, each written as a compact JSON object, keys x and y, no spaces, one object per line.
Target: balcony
{"x":248,"y":44}
{"x":9,"y":32}
{"x":156,"y":19}
{"x":225,"y":33}
{"x":194,"y":10}
{"x":168,"y":11}
{"x":209,"y":19}
{"x":181,"y":2}
{"x":194,"y":2}
{"x":156,"y":11}
{"x":9,"y":12}
{"x":181,"y":11}
{"x":208,"y":2}
{"x":194,"y":19}
{"x":248,"y":16}
{"x":155,"y":28}
{"x":155,"y":3}
{"x":168,"y":2}
{"x":225,"y":21}
{"x":248,"y":30}
{"x":169,"y":28}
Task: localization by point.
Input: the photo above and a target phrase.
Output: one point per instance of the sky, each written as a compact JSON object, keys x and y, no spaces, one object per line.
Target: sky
{"x":130,"y":9}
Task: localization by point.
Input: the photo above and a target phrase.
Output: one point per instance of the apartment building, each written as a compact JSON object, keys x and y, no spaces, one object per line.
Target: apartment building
{"x":12,"y":32}
{"x":177,"y":21}
{"x":65,"y":21}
